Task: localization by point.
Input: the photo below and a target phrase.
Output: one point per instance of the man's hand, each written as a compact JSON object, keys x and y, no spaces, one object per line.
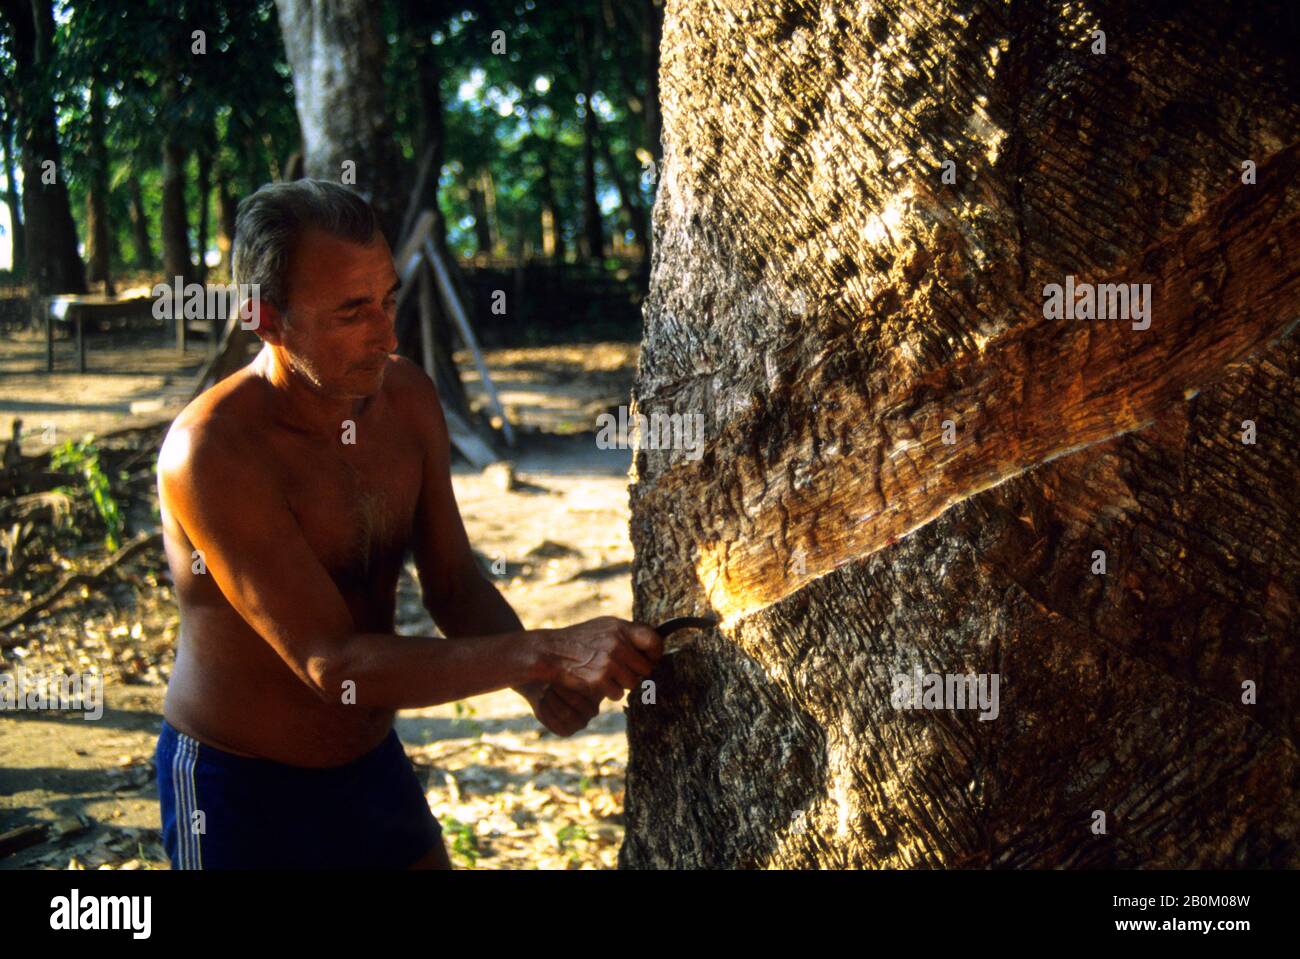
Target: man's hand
{"x":600,"y":658}
{"x":560,"y":710}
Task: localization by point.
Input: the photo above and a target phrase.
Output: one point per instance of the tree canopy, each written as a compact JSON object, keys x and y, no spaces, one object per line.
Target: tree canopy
{"x":196,"y":97}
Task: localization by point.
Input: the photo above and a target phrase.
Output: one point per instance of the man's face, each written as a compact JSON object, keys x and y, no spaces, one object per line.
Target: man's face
{"x":342,"y":301}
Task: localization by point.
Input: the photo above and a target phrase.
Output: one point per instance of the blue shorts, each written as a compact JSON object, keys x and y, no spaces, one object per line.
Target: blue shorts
{"x":257,"y":814}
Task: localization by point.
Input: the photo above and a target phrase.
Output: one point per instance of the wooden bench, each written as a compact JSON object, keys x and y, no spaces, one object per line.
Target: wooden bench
{"x":76,"y":310}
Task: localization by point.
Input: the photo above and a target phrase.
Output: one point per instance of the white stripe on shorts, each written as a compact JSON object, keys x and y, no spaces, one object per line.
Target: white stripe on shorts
{"x":189,"y":852}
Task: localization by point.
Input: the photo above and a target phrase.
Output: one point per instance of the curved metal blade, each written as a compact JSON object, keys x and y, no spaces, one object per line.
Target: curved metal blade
{"x":666,"y":629}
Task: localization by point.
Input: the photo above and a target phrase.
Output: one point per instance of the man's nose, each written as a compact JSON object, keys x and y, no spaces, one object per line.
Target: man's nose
{"x":390,"y":338}
{"x":385,"y":331}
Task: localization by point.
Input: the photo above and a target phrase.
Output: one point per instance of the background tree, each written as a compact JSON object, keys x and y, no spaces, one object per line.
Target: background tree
{"x":161,"y":141}
{"x":908,"y":467}
{"x":12,"y":200}
{"x":336,"y":50}
{"x":424,"y":70}
{"x":99,"y":236}
{"x":593,"y":231}
{"x":201,"y":80}
{"x":52,"y":260}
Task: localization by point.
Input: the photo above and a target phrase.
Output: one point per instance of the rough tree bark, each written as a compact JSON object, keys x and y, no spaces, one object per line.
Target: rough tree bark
{"x":827,"y":301}
{"x":335,"y":48}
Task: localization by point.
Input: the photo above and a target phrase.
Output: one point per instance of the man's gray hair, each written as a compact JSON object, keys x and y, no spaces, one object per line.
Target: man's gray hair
{"x":271,"y":220}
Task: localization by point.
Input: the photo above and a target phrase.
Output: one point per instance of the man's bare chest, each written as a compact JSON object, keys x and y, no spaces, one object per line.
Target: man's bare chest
{"x":355,"y":504}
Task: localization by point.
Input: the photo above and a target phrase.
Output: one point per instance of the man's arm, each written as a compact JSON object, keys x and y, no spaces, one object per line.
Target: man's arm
{"x":230,"y":506}
{"x":478,"y":607}
{"x":457,"y":595}
{"x":455,"y":592}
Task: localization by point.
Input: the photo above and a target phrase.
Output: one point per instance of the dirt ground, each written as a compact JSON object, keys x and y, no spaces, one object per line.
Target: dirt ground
{"x":509,"y":794}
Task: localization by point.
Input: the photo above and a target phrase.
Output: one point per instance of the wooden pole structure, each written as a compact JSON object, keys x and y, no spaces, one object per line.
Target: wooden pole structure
{"x":457,"y":311}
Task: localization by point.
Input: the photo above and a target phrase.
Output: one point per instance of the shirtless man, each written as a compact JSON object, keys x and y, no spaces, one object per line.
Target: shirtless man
{"x":291,"y":492}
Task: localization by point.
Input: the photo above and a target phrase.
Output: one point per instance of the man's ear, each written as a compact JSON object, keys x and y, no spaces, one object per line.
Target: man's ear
{"x":263,"y":318}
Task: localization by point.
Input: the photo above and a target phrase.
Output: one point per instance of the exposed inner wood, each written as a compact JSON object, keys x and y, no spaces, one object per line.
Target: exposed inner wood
{"x":872,"y":466}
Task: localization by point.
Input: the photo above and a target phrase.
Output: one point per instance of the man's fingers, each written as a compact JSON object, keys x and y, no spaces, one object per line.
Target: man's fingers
{"x":634,"y":660}
{"x":560,"y":723}
{"x":584,"y":706}
{"x":623,"y":676}
{"x":556,"y":706}
{"x":645,"y":639}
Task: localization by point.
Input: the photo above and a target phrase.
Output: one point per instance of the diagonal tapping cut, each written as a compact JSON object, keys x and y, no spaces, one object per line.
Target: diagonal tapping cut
{"x":1222,"y":286}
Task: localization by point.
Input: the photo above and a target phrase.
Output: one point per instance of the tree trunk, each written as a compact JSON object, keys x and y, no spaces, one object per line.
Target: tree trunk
{"x":97,"y":237}
{"x":175,"y":224}
{"x":205,"y":193}
{"x":18,"y":236}
{"x":430,"y":125}
{"x":227,"y":208}
{"x":553,"y":244}
{"x":478,"y":205}
{"x":593,"y":233}
{"x":53,"y":263}
{"x":98,"y":229}
{"x":139,"y":225}
{"x":335,"y":48}
{"x":629,"y":199}
{"x":907,"y":467}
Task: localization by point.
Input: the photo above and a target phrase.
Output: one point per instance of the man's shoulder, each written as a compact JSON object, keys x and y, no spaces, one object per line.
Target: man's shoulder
{"x":405,"y":382}
{"x":411,"y":393}
{"x":220,"y":422}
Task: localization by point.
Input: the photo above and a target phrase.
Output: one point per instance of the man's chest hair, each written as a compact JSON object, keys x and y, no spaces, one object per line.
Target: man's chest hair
{"x":356,"y":511}
{"x":373,"y":519}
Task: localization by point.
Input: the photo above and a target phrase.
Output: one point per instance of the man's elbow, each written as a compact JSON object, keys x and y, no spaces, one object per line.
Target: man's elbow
{"x":328,"y":675}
